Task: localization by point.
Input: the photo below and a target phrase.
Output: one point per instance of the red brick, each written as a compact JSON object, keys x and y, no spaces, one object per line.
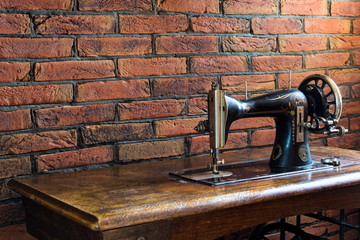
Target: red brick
{"x":206,"y":24}
{"x":16,"y":232}
{"x":351,"y":140}
{"x":276,"y":25}
{"x":96,"y":91}
{"x":355,"y":91}
{"x":356,"y":58}
{"x":320,"y":60}
{"x":36,"y":94}
{"x":6,"y":193}
{"x":237,"y":140}
{"x":152,"y":23}
{"x":355,"y":123}
{"x":32,"y":142}
{"x":218,"y":64}
{"x":326,"y":25}
{"x":344,"y":42}
{"x":247,"y":123}
{"x":13,"y":167}
{"x":14,"y":71}
{"x":351,"y":108}
{"x":115,"y":5}
{"x":129,"y":67}
{"x":347,"y":8}
{"x":199,"y":144}
{"x":356,"y":26}
{"x":175,"y":127}
{"x":151,"y":109}
{"x":73,"y":70}
{"x":37,"y":4}
{"x":182,"y":86}
{"x":197,"y":106}
{"x":263,"y":137}
{"x":276,"y":63}
{"x":246,"y":44}
{"x":250,"y":7}
{"x":14,"y":24}
{"x":115,"y":132}
{"x":15,"y":120}
{"x":304,"y":7}
{"x":148,"y":150}
{"x":78,"y":158}
{"x":115,"y":46}
{"x":73,"y":115}
{"x":296,"y":78}
{"x":341,"y":76}
{"x":199,"y":6}
{"x":186,"y":44}
{"x":11,"y":212}
{"x":302,"y":43}
{"x":74,"y":24}
{"x":35,"y":47}
{"x":254,"y":83}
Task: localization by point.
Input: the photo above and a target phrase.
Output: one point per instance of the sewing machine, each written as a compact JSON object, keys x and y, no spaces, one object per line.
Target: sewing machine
{"x":315,"y":106}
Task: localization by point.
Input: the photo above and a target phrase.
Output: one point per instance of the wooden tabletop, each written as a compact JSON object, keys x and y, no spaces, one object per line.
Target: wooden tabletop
{"x":117,"y":197}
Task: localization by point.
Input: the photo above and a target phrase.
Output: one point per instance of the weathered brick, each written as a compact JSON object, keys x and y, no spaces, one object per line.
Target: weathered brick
{"x":248,"y":123}
{"x":74,"y":24}
{"x":251,"y":6}
{"x":14,"y":23}
{"x":263,"y":137}
{"x":32,"y":142}
{"x":218,"y":64}
{"x":35,"y":47}
{"x":152,"y":23}
{"x":11,"y":212}
{"x":15,"y":120}
{"x":182,"y":86}
{"x":13,"y":167}
{"x":17,"y":231}
{"x":356,"y":58}
{"x":356,"y":26}
{"x":351,"y":108}
{"x":175,"y":127}
{"x":327,"y":60}
{"x":355,"y":123}
{"x":326,"y":25}
{"x":129,"y":67}
{"x":186,"y":44}
{"x":96,"y":91}
{"x":36,"y":94}
{"x":276,"y":25}
{"x":151,"y":109}
{"x":197,"y":106}
{"x":200,"y":6}
{"x":37,"y":4}
{"x":355,"y":91}
{"x":341,"y":76}
{"x":73,"y":115}
{"x":276,"y":63}
{"x":115,"y":132}
{"x":351,"y":140}
{"x":6,"y":193}
{"x":78,"y":158}
{"x":304,"y":7}
{"x":344,"y":42}
{"x":207,"y":24}
{"x":254,"y":82}
{"x":115,"y":46}
{"x":148,"y":150}
{"x":199,"y":144}
{"x":247,"y":44}
{"x":71,"y":70}
{"x":296,"y":78}
{"x":115,"y":5}
{"x":14,"y":71}
{"x":302,"y":43}
{"x":346,"y":8}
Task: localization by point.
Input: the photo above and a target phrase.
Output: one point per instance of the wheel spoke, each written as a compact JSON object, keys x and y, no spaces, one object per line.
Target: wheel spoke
{"x":329,"y":94}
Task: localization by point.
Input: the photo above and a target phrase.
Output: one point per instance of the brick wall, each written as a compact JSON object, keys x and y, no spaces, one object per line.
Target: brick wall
{"x":87,"y":83}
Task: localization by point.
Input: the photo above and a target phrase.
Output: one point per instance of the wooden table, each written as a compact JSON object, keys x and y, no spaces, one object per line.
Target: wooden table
{"x":141,"y":201}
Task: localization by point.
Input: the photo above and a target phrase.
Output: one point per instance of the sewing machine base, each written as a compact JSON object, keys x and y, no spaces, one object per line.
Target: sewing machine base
{"x":247,"y":171}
